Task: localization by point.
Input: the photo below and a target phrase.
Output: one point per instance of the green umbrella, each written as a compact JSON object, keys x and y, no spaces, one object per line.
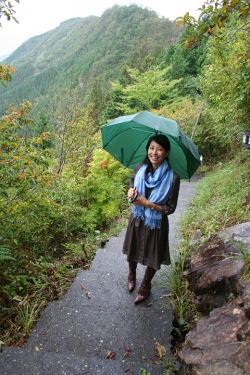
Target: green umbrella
{"x":126,"y":137}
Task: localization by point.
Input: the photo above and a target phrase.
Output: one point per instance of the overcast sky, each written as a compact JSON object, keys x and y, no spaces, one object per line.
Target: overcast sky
{"x":35,"y":17}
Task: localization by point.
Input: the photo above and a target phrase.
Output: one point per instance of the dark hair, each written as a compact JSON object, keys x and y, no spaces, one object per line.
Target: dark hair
{"x":161,"y":140}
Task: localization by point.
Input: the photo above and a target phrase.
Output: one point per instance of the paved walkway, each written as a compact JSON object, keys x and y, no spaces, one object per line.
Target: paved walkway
{"x":76,"y":335}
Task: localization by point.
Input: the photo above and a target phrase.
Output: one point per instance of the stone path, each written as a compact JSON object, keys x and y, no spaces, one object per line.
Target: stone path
{"x":76,"y":335}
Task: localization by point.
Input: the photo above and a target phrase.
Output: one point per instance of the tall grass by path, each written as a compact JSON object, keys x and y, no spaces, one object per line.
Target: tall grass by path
{"x":223,"y":198}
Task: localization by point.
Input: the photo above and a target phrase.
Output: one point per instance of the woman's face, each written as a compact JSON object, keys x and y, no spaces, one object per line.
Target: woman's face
{"x":156,"y":154}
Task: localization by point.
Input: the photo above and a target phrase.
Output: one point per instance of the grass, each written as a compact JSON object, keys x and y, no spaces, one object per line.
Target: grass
{"x":223,"y":198}
{"x":179,"y":300}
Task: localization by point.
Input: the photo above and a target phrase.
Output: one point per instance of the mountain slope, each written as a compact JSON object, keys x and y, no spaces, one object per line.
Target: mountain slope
{"x":82,"y":49}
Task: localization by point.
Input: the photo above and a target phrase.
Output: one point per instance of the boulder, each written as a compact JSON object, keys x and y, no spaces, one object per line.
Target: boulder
{"x":220,"y":343}
{"x":214,"y":270}
{"x":217,"y":368}
{"x":218,"y":337}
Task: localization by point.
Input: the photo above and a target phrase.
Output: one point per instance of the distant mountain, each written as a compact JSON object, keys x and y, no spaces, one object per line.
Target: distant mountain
{"x":4,"y":57}
{"x":82,"y":49}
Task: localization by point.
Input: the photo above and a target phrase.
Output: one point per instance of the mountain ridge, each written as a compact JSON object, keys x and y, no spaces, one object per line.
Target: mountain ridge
{"x":83,"y":49}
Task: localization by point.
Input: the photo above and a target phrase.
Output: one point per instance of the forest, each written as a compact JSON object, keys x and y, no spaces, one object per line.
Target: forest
{"x":61,"y":194}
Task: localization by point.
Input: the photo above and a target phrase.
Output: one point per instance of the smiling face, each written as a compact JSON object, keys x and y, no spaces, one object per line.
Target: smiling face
{"x":156,"y":154}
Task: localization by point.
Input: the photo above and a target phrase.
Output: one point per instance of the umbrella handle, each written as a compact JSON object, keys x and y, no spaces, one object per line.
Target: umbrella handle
{"x":131,"y":200}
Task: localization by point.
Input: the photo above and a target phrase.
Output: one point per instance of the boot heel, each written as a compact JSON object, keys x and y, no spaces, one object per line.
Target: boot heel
{"x":145,"y":287}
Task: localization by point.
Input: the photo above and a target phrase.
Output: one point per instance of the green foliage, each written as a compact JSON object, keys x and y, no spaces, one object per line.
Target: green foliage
{"x":222,"y":198}
{"x":108,"y":182}
{"x":5,"y":74}
{"x":214,"y":14}
{"x":7,"y":10}
{"x":178,"y":294}
{"x":60,"y":193}
{"x":145,"y":91}
{"x":245,"y":255}
{"x":186,"y":64}
{"x":27,"y":284}
{"x":82,"y":50}
{"x":28,"y":315}
{"x":226,"y":86}
{"x":5,"y":253}
{"x":96,"y":197}
{"x":23,"y":170}
{"x":185,"y":113}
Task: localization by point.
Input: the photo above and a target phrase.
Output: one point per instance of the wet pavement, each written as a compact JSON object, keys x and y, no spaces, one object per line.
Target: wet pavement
{"x":96,"y":328}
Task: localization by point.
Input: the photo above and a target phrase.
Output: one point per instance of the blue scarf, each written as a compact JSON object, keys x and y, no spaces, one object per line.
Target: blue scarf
{"x":161,"y":182}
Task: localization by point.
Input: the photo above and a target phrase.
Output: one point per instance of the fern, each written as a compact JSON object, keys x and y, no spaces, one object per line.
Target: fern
{"x":5,"y":253}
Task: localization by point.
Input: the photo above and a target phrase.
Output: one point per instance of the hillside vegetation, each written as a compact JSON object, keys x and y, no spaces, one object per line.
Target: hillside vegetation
{"x":82,"y":49}
{"x":61,"y":194}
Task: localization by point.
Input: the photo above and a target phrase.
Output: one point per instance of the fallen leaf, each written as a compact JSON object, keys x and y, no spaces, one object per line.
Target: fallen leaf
{"x":83,"y":287}
{"x":156,"y":362}
{"x":88,"y":295}
{"x":17,"y":298}
{"x":166,"y":295}
{"x":128,"y":350}
{"x":110,"y":354}
{"x":128,"y":369}
{"x":37,"y":349}
{"x":160,"y":349}
{"x":149,"y":304}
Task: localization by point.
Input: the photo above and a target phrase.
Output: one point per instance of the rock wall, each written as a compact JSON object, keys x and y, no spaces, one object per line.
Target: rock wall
{"x":216,"y":272}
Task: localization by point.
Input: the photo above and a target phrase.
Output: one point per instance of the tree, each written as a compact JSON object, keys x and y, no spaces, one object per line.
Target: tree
{"x":5,"y":73}
{"x":42,"y":126}
{"x":23,"y":169}
{"x":226,"y":84}
{"x":214,"y":14}
{"x":183,"y":111}
{"x":6,"y":9}
{"x":147,"y":90}
{"x":96,"y":104}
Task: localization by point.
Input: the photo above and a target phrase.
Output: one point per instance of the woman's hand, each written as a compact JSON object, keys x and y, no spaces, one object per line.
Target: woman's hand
{"x":131,"y":193}
{"x":140,"y":200}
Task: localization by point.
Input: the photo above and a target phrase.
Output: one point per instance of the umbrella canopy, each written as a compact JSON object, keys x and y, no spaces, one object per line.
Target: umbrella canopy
{"x":126,"y":137}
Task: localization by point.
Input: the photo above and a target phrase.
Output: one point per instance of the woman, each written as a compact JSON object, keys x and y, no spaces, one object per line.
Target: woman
{"x":154,"y":189}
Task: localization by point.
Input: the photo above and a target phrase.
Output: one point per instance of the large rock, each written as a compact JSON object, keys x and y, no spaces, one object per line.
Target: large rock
{"x":214,"y":271}
{"x":239,"y":233}
{"x":222,"y":336}
{"x":217,"y":368}
{"x":220,"y":343}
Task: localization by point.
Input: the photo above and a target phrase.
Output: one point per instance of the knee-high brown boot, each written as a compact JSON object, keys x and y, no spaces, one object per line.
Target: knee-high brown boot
{"x":132,"y":276}
{"x":145,"y":286}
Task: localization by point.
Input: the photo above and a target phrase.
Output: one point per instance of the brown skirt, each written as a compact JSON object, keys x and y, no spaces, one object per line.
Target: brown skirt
{"x":146,"y":246}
